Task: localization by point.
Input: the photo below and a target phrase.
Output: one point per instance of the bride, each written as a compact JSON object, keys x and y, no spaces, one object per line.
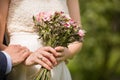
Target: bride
{"x":18,"y":16}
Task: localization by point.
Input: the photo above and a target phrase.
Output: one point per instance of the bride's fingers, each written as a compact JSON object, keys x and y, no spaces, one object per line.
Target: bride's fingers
{"x":50,"y":57}
{"x":43,"y":62}
{"x":59,"y":48}
{"x":51,"y":50}
{"x":61,"y":54}
{"x":41,"y":56}
{"x":36,"y":58}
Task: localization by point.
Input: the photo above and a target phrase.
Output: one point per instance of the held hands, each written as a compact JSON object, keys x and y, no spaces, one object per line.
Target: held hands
{"x":44,"y":56}
{"x":48,"y":57}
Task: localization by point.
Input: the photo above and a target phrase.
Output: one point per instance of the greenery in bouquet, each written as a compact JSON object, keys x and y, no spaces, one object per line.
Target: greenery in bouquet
{"x":56,"y":29}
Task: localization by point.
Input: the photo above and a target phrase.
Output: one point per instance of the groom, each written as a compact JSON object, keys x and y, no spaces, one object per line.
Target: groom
{"x":11,"y":56}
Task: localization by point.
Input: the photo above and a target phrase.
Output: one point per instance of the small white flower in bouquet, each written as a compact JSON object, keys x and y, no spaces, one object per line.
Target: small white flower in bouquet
{"x":56,"y":29}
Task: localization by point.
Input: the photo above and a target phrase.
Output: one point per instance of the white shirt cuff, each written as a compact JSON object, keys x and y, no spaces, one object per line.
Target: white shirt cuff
{"x":9,"y":62}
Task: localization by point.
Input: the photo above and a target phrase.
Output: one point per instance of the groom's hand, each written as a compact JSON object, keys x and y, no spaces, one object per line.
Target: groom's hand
{"x":44,"y":56}
{"x":17,"y":53}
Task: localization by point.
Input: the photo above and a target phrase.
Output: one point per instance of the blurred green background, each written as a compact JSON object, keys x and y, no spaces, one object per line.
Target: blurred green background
{"x":99,"y":58}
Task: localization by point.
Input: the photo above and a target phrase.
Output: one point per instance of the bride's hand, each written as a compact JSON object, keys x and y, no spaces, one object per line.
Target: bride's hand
{"x":64,"y":51}
{"x":43,"y":56}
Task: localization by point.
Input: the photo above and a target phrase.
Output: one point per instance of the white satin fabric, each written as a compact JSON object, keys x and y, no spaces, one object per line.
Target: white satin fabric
{"x":21,"y":31}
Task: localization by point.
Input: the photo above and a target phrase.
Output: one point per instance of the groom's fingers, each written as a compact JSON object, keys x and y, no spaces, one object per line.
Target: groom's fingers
{"x":25,"y":53}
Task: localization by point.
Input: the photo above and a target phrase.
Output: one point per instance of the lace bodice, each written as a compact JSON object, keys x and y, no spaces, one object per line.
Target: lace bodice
{"x":21,"y":13}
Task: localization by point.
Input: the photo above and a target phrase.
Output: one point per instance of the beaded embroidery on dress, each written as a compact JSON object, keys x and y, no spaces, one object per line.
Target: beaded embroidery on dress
{"x":21,"y":31}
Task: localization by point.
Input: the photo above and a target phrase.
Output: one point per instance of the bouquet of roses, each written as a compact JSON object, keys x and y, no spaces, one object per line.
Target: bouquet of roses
{"x":56,"y":29}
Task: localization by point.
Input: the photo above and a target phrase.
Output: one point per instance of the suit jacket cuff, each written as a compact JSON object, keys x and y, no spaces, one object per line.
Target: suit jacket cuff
{"x":9,"y":62}
{"x":3,"y":64}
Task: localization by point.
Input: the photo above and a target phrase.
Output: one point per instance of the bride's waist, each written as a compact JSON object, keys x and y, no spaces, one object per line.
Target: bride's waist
{"x":14,"y":28}
{"x":21,"y":33}
{"x":29,"y":40}
{"x":24,"y":36}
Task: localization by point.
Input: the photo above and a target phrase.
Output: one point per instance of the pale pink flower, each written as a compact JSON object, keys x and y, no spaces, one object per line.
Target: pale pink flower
{"x":81,"y":33}
{"x":67,"y":16}
{"x":38,"y":19}
{"x":67,"y":25}
{"x":39,"y":16}
{"x":72,"y":22}
{"x":47,"y":16}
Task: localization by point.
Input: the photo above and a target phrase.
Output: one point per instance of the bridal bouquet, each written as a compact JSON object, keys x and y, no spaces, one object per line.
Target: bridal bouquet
{"x":56,"y":29}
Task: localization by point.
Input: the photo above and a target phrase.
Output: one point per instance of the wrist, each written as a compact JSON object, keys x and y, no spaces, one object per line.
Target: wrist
{"x":69,"y":54}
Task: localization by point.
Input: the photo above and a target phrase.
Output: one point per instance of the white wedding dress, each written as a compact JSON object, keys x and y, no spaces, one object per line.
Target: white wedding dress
{"x":21,"y":31}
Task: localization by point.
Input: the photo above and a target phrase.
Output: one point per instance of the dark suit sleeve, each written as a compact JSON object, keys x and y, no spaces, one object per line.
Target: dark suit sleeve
{"x":3,"y":64}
